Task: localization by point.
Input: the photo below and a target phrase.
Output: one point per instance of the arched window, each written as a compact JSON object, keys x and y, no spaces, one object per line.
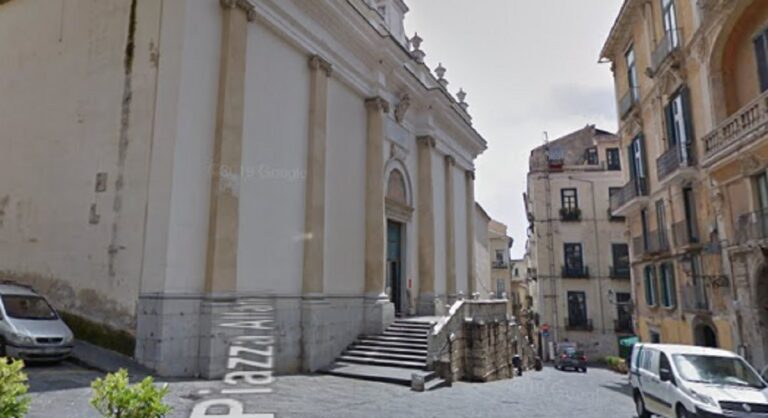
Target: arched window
{"x":396,"y":187}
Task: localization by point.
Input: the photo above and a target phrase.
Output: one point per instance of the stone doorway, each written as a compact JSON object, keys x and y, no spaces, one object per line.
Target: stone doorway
{"x":761,"y":306}
{"x":705,"y":335}
{"x":395,"y":265}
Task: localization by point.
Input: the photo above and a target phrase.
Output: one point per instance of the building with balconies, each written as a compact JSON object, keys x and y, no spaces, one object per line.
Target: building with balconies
{"x":664,"y":89}
{"x":577,"y":251}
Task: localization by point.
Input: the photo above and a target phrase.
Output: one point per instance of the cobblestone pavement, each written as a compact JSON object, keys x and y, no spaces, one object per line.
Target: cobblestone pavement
{"x":63,"y":391}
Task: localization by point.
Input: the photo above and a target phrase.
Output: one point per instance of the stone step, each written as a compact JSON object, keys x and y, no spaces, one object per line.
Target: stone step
{"x":420,"y":337}
{"x":398,"y":338}
{"x":383,"y":362}
{"x":435,"y":383}
{"x":384,"y":374}
{"x":412,"y":325}
{"x":413,"y":331}
{"x":385,"y":356}
{"x":379,"y":342}
{"x":388,"y":349}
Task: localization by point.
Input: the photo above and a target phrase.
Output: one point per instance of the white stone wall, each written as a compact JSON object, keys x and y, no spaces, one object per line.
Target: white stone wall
{"x":460,"y":229}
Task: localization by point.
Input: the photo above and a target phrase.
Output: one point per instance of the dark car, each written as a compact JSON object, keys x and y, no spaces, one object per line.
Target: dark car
{"x":571,"y":359}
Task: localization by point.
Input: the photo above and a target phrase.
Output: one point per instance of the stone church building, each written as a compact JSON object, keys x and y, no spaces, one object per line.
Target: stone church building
{"x":164,"y":159}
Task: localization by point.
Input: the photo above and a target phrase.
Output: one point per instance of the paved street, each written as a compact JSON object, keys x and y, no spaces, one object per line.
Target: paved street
{"x":550,"y":393}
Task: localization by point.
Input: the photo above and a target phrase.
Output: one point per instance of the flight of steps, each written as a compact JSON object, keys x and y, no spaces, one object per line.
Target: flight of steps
{"x":392,"y":356}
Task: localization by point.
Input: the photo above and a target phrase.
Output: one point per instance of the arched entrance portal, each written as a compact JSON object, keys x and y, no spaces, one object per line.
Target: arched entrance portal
{"x":398,"y":210}
{"x":704,"y":335}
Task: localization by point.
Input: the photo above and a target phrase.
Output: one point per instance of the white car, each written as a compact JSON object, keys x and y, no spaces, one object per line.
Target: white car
{"x":30,"y":329}
{"x":680,"y":381}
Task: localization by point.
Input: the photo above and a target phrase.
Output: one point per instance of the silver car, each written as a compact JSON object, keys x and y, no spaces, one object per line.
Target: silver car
{"x":30,"y":329}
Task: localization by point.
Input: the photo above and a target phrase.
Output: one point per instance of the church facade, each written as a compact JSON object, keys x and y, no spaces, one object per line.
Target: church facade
{"x":184,"y":156}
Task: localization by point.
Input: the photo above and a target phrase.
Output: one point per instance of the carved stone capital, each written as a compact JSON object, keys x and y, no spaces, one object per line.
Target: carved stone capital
{"x":244,"y":5}
{"x":426,"y":141}
{"x":377,"y":104}
{"x":450,"y":161}
{"x":470,"y":174}
{"x":316,"y":62}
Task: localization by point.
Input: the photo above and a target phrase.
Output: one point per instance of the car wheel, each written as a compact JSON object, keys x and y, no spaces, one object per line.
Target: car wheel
{"x":640,"y":407}
{"x":682,"y":412}
{"x":584,"y":370}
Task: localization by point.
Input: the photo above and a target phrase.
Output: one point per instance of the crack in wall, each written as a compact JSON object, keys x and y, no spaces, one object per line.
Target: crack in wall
{"x":125,"y":116}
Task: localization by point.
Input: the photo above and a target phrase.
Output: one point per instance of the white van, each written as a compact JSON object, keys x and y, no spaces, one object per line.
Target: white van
{"x":680,"y":381}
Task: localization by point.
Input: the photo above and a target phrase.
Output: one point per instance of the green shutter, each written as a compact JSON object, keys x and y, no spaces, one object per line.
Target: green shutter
{"x":685,"y":93}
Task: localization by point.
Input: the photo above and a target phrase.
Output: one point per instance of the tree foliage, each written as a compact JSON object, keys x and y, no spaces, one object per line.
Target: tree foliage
{"x":114,"y":397}
{"x":14,"y":402}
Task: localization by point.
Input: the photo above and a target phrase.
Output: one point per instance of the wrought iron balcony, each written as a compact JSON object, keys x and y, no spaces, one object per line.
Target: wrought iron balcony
{"x":745,"y":127}
{"x":695,"y":299}
{"x":624,"y":198}
{"x":623,"y":326}
{"x":752,"y":227}
{"x":653,"y":244}
{"x":628,"y":101}
{"x":670,"y":43}
{"x":579,"y":272}
{"x":672,"y":165}
{"x":499,"y":264}
{"x":685,"y":235}
{"x":570,"y":214}
{"x":578,"y":325}
{"x":620,"y":272}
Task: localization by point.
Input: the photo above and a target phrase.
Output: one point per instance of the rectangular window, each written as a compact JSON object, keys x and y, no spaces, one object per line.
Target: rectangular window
{"x":613,"y":159}
{"x":637,"y":170}
{"x":761,"y":191}
{"x":500,"y":256}
{"x":501,"y":288}
{"x":623,"y":314}
{"x":569,"y":199}
{"x":668,"y":287}
{"x":632,"y":73}
{"x":591,"y":156}
{"x":573,"y":259}
{"x":650,"y":285}
{"x":689,"y":204}
{"x":679,"y":122}
{"x":669,"y":16}
{"x":577,"y":309}
{"x":761,"y":56}
{"x":620,"y":260}
{"x":661,"y":224}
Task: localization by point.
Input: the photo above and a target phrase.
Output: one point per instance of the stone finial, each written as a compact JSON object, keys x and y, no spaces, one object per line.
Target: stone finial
{"x":461,"y":95}
{"x":440,"y":71}
{"x":417,"y":53}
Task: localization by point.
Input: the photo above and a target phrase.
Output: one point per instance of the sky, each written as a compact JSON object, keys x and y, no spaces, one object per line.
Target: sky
{"x":528,"y":66}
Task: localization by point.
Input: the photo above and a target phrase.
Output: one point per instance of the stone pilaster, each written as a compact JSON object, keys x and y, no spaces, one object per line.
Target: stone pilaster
{"x":450,"y":240}
{"x":221,"y":268}
{"x":379,"y":312}
{"x":426,"y":227}
{"x":470,"y":200}
{"x":314,"y":206}
{"x":314,"y":308}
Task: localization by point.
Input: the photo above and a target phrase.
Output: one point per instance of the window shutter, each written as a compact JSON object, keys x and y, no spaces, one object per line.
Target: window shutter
{"x":672,"y":285}
{"x":685,"y":93}
{"x":644,"y":186}
{"x":762,"y":60}
{"x":631,"y":160}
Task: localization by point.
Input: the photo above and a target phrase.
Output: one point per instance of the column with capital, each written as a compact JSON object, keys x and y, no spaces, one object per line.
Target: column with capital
{"x":314,"y":307}
{"x":450,"y":240}
{"x":426,"y":227}
{"x":379,"y":311}
{"x":469,"y":181}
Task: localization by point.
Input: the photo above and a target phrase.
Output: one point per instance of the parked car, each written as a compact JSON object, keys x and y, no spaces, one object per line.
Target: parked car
{"x":679,"y":381}
{"x":30,"y":329}
{"x":570,"y":358}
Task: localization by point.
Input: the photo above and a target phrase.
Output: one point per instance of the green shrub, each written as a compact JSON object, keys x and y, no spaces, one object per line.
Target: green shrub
{"x":616,"y":364}
{"x":14,"y":402}
{"x":114,"y":397}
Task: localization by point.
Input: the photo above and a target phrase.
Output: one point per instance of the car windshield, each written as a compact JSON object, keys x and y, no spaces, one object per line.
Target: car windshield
{"x":717,"y":370}
{"x":27,"y":307}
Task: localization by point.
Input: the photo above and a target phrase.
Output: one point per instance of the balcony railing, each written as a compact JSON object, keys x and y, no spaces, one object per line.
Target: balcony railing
{"x":575,"y":272}
{"x":745,"y":126}
{"x":752,"y":226}
{"x":578,"y":325}
{"x":623,"y":325}
{"x":655,"y":243}
{"x":570,"y":214}
{"x":628,"y":101}
{"x":630,"y":191}
{"x":620,"y":272}
{"x":671,"y":161}
{"x":695,"y":298}
{"x":669,"y":43}
{"x":684,"y":234}
{"x":499,"y":264}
